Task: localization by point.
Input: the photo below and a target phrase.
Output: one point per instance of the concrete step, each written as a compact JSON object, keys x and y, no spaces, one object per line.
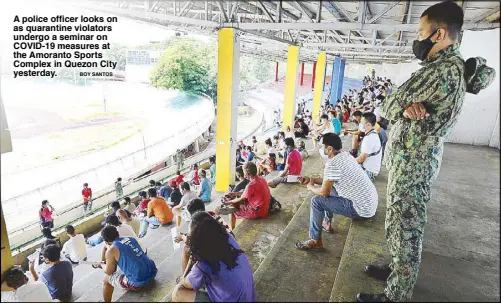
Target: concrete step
{"x":288,"y":274}
{"x":365,"y":244}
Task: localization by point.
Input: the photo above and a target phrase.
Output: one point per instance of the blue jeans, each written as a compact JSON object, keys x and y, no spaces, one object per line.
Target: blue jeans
{"x":323,"y":208}
{"x":145,"y":222}
{"x":96,"y":241}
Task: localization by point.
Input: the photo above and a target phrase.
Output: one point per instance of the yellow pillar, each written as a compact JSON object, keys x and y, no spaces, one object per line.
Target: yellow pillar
{"x":7,"y":260}
{"x":319,"y":79}
{"x":227,"y":107}
{"x":291,"y":80}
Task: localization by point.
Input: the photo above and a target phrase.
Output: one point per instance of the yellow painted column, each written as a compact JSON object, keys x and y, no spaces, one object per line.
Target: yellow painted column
{"x":227,"y":107}
{"x":291,"y":81}
{"x":7,"y":260}
{"x":317,"y":93}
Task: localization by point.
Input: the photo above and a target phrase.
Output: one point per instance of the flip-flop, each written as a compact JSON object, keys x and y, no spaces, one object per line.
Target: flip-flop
{"x":302,"y":245}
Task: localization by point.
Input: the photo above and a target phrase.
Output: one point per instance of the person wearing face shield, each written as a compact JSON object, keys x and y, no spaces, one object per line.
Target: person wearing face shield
{"x":423,"y":111}
{"x":345,"y":189}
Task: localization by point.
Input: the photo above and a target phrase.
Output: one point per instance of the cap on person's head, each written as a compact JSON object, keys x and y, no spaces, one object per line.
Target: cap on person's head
{"x":333,"y":140}
{"x":172,"y":183}
{"x":70,"y":229}
{"x":152,"y":192}
{"x":195,"y":205}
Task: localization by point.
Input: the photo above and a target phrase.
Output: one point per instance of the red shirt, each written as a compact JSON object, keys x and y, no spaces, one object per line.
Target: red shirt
{"x":196,"y":180}
{"x":346,"y":116}
{"x":179,"y":179}
{"x":143,"y":205}
{"x":46,"y":214}
{"x":86,"y":193}
{"x":258,"y":197}
{"x":295,"y":163}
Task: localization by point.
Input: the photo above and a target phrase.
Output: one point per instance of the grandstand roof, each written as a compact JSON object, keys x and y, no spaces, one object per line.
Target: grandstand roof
{"x":360,"y":31}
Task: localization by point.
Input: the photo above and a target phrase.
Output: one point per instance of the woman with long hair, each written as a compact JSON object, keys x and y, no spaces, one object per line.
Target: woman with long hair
{"x":45,"y":214}
{"x":219,"y":263}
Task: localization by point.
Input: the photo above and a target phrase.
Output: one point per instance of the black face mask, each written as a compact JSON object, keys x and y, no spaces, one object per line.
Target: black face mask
{"x":423,"y":47}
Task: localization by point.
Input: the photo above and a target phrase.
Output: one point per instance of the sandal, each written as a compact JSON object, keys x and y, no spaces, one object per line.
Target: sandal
{"x":328,"y":230}
{"x":307,"y":245}
{"x":178,"y":279}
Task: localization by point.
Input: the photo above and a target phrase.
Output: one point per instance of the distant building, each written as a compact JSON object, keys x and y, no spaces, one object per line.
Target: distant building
{"x":140,"y":63}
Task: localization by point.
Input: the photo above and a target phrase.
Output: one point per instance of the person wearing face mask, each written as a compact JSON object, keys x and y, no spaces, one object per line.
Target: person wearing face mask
{"x":423,"y":111}
{"x":293,"y":164}
{"x":357,"y":134}
{"x":371,"y":147}
{"x":344,"y":189}
{"x":324,"y":128}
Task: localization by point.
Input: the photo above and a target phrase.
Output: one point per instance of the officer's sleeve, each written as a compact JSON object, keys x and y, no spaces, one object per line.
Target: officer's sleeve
{"x":428,"y":86}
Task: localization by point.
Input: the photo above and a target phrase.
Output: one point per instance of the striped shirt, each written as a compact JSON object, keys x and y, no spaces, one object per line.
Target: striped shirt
{"x":351,"y":182}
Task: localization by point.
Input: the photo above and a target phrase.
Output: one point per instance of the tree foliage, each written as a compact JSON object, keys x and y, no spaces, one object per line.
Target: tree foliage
{"x":191,"y":66}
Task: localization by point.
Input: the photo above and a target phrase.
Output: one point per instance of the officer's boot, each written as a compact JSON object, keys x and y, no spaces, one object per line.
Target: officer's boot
{"x":380,"y":272}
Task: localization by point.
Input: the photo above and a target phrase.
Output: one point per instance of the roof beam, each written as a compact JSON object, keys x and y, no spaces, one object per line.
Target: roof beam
{"x":362,"y":5}
{"x":222,"y":10}
{"x":387,"y":8}
{"x":344,"y":26}
{"x":273,"y":7}
{"x":406,"y":16}
{"x":319,"y":11}
{"x":483,"y":16}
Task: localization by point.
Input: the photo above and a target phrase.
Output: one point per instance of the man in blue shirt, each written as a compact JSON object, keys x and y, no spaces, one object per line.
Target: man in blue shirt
{"x":250,"y":154}
{"x":335,"y":122}
{"x":205,"y":187}
{"x":59,"y":277}
{"x":135,"y":268}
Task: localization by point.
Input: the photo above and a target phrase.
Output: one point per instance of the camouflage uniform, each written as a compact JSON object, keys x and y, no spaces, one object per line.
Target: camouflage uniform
{"x":414,"y":153}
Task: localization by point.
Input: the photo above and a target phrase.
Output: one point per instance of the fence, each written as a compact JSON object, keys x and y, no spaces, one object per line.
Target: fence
{"x":21,"y":212}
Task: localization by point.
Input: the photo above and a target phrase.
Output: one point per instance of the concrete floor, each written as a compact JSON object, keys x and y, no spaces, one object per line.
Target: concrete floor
{"x":460,"y":260}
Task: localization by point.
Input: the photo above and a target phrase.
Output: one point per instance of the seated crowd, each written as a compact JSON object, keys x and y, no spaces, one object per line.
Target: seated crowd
{"x":214,"y":267}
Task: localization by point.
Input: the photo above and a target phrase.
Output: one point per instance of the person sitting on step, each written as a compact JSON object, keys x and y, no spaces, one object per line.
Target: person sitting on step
{"x":205,"y":190}
{"x":158,"y":213}
{"x":253,"y":203}
{"x":293,"y":164}
{"x":345,"y":190}
{"x":219,"y":264}
{"x":127,"y":266}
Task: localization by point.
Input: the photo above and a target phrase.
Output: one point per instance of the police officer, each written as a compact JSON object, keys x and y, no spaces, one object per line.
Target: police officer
{"x":423,"y":112}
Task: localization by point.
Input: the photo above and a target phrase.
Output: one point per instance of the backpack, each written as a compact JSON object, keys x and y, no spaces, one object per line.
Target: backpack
{"x":275,"y":206}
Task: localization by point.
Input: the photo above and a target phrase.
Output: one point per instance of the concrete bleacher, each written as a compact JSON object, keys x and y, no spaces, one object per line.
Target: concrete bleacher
{"x":460,"y":251}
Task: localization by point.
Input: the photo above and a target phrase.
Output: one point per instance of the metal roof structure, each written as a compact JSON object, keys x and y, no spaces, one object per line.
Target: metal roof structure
{"x":360,"y":31}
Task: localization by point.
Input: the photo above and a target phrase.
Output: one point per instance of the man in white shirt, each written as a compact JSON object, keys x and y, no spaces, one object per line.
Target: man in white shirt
{"x":345,"y":190}
{"x":188,"y":195}
{"x":75,"y":249}
{"x":370,"y":151}
{"x":24,"y":290}
{"x":127,"y":218}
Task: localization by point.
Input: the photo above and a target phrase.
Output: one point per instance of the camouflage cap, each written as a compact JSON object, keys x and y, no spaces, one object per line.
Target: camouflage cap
{"x":478,"y":75}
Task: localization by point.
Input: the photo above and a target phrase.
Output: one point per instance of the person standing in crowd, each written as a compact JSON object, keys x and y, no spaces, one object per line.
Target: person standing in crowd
{"x":212,"y":170}
{"x":424,"y":111}
{"x":253,"y":203}
{"x":345,"y":190}
{"x":87,"y":198}
{"x":158,"y":213}
{"x":293,"y":166}
{"x":371,"y":147}
{"x":220,"y":265}
{"x":119,"y":191}
{"x":45,"y":214}
{"x":24,"y":289}
{"x":179,"y":159}
{"x":188,"y":195}
{"x":205,"y":191}
{"x":74,"y":249}
{"x":255,"y":145}
{"x":127,"y":265}
{"x":58,"y":277}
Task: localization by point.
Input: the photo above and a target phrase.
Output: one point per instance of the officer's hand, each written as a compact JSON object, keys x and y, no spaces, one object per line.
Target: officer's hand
{"x":415,"y":112}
